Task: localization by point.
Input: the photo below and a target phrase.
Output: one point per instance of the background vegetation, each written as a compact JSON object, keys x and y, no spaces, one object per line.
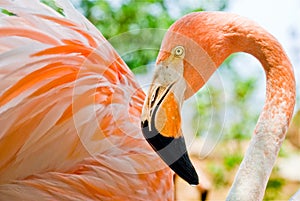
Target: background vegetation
{"x":115,"y":17}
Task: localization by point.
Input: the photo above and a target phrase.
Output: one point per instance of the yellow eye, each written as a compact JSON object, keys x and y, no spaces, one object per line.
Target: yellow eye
{"x":178,"y":51}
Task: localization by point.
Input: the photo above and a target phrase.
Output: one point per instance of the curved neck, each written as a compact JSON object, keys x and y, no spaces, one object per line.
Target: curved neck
{"x":221,"y":34}
{"x":254,"y":172}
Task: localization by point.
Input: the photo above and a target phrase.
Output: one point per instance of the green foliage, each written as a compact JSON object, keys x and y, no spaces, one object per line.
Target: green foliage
{"x":232,"y":160}
{"x":274,"y":187}
{"x":244,"y":88}
{"x":208,"y":117}
{"x":53,"y":5}
{"x":212,"y":103}
{"x":217,"y":172}
{"x":296,"y":119}
{"x":275,"y":183}
{"x":113,"y":18}
{"x":6,"y":12}
{"x":283,"y":152}
{"x":129,"y":19}
{"x":128,"y":15}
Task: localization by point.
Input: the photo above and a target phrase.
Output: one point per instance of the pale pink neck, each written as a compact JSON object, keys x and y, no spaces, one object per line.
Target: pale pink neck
{"x":220,"y":35}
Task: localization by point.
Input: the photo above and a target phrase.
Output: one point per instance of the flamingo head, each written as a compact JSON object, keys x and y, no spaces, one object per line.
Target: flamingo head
{"x":182,"y":68}
{"x":161,"y":120}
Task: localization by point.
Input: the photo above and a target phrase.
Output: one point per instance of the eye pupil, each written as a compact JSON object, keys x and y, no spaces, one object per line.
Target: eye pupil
{"x":179,"y":51}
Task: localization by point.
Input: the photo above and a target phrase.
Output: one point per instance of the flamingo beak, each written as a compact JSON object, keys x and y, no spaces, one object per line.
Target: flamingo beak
{"x":161,"y":126}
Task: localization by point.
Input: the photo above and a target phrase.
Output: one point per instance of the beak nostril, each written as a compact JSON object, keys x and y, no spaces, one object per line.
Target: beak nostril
{"x":153,"y":98}
{"x":144,"y":124}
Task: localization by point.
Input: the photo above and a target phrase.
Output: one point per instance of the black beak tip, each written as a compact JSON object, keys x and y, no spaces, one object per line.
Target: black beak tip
{"x":184,"y":168}
{"x":173,"y":152}
{"x":194,"y":181}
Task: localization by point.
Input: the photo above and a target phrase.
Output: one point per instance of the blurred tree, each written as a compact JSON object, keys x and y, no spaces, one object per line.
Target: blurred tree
{"x":239,"y":120}
{"x":136,"y":28}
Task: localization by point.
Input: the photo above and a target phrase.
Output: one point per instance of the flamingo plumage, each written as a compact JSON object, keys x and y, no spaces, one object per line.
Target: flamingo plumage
{"x":192,"y":49}
{"x":70,"y":107}
{"x":70,"y":113}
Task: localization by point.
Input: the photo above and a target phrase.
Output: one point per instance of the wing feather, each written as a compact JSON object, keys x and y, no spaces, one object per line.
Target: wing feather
{"x":69,"y":112}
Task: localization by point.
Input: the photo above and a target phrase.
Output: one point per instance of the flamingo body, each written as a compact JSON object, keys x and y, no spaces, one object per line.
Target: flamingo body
{"x":69,"y":113}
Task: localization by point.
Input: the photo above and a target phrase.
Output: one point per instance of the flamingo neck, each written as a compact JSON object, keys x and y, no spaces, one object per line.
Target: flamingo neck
{"x":221,"y":34}
{"x":254,"y":172}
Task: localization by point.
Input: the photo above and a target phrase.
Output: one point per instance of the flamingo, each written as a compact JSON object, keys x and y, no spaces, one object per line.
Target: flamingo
{"x":191,"y":51}
{"x":70,"y":108}
{"x":70,"y":113}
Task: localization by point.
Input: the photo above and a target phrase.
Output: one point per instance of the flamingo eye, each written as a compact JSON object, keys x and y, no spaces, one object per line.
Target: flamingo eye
{"x":178,"y":51}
